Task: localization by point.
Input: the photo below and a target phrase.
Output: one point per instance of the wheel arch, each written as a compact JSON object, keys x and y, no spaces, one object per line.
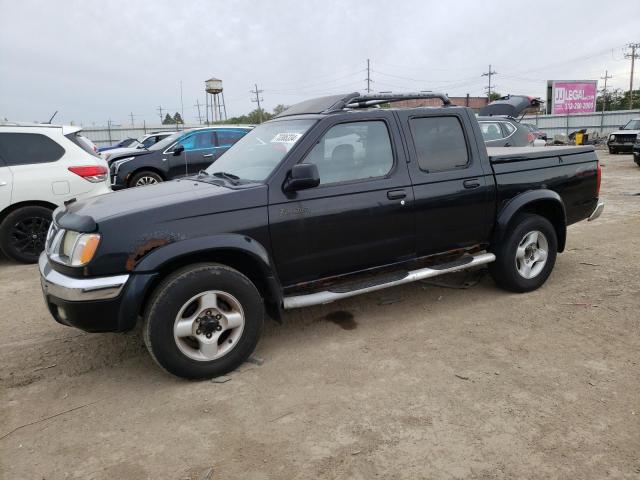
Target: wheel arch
{"x":545,"y":203}
{"x":237,"y":251}
{"x":28,"y":203}
{"x":146,"y":168}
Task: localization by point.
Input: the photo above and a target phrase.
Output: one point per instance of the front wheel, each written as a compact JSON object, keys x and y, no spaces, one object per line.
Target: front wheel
{"x":612,"y":151}
{"x":145,"y":178}
{"x":203,"y":321}
{"x":527,"y":254}
{"x":23,"y":233}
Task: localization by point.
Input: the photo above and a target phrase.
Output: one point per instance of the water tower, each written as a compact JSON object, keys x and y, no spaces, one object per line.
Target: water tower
{"x":213,"y":88}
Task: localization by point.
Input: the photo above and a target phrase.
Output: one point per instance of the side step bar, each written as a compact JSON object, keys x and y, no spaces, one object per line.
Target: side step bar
{"x":318,"y":298}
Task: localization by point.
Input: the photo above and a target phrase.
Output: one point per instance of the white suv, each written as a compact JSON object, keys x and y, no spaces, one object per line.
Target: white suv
{"x":41,"y":167}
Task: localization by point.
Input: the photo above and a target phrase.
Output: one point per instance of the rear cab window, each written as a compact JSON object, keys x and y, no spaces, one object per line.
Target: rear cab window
{"x":440,"y":143}
{"x":28,"y":149}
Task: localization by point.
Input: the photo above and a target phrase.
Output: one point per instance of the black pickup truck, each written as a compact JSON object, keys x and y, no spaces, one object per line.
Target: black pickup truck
{"x":333,"y":198}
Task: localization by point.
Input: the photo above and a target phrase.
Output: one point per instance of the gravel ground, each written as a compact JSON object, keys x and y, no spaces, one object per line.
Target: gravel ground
{"x":419,"y":381}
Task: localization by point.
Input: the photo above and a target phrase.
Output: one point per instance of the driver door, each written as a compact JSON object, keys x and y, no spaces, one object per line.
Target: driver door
{"x":6,"y":182}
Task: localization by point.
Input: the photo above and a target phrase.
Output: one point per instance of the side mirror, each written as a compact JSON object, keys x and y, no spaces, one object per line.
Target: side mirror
{"x":178,"y":149}
{"x":302,"y":176}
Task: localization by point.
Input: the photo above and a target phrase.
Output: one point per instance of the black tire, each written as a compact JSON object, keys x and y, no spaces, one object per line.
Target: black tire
{"x":505,"y":269}
{"x":145,"y":177}
{"x":23,"y":233}
{"x":612,"y":151}
{"x":174,"y":294}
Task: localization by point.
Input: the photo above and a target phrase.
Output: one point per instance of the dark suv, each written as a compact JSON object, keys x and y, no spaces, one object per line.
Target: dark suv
{"x":181,"y":154}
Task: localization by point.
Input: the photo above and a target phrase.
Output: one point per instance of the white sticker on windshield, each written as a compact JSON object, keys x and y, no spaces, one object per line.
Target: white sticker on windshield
{"x":286,"y":138}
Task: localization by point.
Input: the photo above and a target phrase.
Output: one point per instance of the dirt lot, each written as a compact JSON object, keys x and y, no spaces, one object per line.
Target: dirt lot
{"x":422,"y":382}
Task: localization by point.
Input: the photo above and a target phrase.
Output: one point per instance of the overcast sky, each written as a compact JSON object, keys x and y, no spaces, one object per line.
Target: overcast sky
{"x":99,"y":60}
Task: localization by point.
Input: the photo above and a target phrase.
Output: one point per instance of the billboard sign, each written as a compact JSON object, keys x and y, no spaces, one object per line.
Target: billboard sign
{"x":573,"y":96}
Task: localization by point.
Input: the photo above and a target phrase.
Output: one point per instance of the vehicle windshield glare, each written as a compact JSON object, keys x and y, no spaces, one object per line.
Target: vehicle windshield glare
{"x":632,"y":125}
{"x":261,"y":150}
{"x":164,"y":143}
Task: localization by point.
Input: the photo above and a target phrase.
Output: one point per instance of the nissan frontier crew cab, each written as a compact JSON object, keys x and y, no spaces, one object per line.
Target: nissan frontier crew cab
{"x":333,"y":198}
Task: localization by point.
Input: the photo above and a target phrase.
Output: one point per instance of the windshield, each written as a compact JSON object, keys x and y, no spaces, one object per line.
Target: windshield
{"x":632,"y":125}
{"x":162,"y":144}
{"x":260,"y":151}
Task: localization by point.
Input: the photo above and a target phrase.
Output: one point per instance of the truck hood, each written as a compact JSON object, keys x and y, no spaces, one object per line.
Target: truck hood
{"x":163,"y":202}
{"x":625,"y":132}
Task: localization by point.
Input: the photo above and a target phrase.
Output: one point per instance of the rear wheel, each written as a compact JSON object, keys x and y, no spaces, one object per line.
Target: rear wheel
{"x":145,"y":177}
{"x":23,"y":233}
{"x":527,"y":254}
{"x":203,"y":321}
{"x":612,"y":151}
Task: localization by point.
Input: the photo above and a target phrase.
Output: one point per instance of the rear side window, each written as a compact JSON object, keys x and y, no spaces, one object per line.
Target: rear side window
{"x":440,"y":143}
{"x":83,"y":142}
{"x":508,"y":128}
{"x":226,"y":138}
{"x":28,"y":148}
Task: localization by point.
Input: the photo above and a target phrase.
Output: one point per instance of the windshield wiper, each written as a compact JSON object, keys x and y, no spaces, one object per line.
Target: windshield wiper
{"x":230,"y":177}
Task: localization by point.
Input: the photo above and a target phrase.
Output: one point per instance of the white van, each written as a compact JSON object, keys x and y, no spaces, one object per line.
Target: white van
{"x":41,"y":167}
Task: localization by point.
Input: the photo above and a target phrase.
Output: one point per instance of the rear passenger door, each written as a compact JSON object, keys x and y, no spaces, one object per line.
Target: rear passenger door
{"x":453,"y":195}
{"x":225,"y":140}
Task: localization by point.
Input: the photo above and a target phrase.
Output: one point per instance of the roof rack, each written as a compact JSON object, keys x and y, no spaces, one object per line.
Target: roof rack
{"x":336,"y":103}
{"x":371,"y":99}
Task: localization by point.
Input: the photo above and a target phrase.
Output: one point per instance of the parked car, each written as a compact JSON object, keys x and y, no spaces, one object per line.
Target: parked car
{"x":41,"y":167}
{"x":538,"y":134}
{"x":505,"y":132}
{"x":636,"y":151}
{"x":623,"y":140}
{"x":127,"y":142}
{"x":142,"y":143}
{"x":328,"y":200}
{"x":183,"y":153}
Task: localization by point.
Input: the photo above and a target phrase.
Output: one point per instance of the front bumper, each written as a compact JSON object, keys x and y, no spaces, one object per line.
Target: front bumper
{"x":621,"y":146}
{"x":99,"y":304}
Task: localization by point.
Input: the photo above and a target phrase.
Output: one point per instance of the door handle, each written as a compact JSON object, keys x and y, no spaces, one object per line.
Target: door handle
{"x":2,"y":184}
{"x":396,"y":194}
{"x":507,"y":144}
{"x":471,"y":183}
{"x":207,"y":155}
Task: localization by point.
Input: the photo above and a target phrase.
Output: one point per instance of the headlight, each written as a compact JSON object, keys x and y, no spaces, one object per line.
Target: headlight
{"x":612,"y":137}
{"x":118,"y":163}
{"x":71,"y":248}
{"x":106,"y":155}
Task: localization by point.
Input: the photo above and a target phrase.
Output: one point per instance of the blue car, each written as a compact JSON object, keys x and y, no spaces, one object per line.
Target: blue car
{"x":127,"y":142}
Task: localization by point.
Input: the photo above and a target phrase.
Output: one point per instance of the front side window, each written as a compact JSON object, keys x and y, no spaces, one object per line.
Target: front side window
{"x":353,"y":151}
{"x":28,"y":148}
{"x":260,"y":151}
{"x":440,"y":143}
{"x":490,"y":131}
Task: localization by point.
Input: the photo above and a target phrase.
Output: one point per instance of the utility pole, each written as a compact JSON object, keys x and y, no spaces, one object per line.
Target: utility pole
{"x":181,"y":105}
{"x":489,"y":74}
{"x":197,"y":105}
{"x":633,"y":55}
{"x":159,"y":109}
{"x":131,"y":115}
{"x":257,"y":93}
{"x":368,"y":77}
{"x":604,"y":90}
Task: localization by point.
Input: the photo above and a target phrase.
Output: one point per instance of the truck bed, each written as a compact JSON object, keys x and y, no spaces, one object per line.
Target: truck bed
{"x":515,"y":154}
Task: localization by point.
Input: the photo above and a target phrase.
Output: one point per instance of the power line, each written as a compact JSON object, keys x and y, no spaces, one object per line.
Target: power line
{"x":604,"y":90}
{"x":257,"y":100}
{"x":633,"y":55}
{"x":489,"y":74}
